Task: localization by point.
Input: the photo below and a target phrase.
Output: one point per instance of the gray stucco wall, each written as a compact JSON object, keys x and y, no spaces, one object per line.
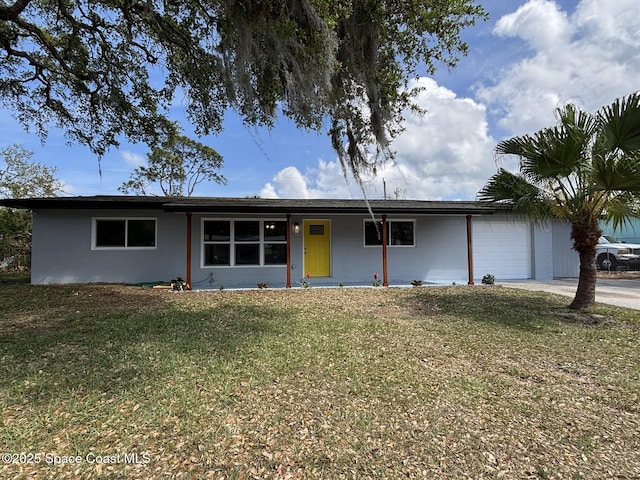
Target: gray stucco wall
{"x":63,"y":253}
{"x":566,"y":262}
{"x":542,"y":252}
{"x":439,"y":255}
{"x":62,"y":249}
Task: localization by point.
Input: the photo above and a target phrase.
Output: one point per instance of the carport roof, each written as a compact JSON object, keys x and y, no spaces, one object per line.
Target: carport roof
{"x":255,"y":205}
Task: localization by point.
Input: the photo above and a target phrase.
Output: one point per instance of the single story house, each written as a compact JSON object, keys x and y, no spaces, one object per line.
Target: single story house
{"x":240,"y":242}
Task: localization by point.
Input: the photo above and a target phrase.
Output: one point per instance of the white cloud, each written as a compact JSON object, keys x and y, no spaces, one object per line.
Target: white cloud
{"x":289,"y":183}
{"x":619,"y":24}
{"x":69,"y":189}
{"x":445,"y":154}
{"x":268,"y":191}
{"x":539,"y":22}
{"x":589,"y":57}
{"x":325,"y":180}
{"x":133,"y":159}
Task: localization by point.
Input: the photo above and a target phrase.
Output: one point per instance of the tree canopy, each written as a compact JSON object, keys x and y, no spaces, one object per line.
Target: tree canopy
{"x":105,"y":70}
{"x":176,"y":167}
{"x":20,"y":178}
{"x":584,"y":169}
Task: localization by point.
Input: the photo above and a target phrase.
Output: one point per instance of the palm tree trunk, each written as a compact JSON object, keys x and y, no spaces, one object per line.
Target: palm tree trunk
{"x":585,"y":237}
{"x":586,"y":293}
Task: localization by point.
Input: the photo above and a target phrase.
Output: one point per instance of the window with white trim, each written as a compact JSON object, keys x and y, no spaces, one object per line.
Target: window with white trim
{"x":400,"y":233}
{"x":118,"y":233}
{"x":244,"y":242}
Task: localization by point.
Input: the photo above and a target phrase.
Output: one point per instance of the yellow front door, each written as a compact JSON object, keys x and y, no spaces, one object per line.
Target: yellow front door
{"x":317,"y":248}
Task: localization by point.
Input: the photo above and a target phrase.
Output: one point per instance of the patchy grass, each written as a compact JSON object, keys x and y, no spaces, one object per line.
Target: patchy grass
{"x":14,"y":277}
{"x":447,"y":382}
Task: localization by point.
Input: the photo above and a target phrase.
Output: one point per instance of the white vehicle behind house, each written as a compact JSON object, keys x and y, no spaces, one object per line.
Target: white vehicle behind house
{"x":611,"y":255}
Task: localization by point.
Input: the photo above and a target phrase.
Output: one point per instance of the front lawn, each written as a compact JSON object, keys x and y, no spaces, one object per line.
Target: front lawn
{"x":432,"y":382}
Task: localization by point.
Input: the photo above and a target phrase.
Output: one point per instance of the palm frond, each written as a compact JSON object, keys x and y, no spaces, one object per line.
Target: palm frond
{"x":585,"y":167}
{"x":573,"y":118}
{"x":617,"y":173}
{"x":524,"y":197}
{"x":550,"y":153}
{"x":621,"y":209}
{"x":620,"y":123}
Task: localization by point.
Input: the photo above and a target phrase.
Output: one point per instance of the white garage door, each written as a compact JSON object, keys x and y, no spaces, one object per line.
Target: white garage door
{"x":501,"y":247}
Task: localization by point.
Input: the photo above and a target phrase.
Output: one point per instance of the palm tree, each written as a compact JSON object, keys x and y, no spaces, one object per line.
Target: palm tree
{"x":584,"y":169}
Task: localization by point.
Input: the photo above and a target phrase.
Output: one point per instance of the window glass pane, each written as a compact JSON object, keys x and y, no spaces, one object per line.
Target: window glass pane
{"x":141,"y":233}
{"x":247,"y":231}
{"x":275,"y":231}
{"x":216,"y":254}
{"x":110,"y":233}
{"x":247,"y":254}
{"x":401,"y":233}
{"x":275,"y":253}
{"x":372,"y":235}
{"x":316,"y":229}
{"x":217,"y":231}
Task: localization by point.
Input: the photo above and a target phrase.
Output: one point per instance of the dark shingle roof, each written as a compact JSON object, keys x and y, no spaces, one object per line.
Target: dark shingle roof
{"x":93,"y":202}
{"x":255,"y":205}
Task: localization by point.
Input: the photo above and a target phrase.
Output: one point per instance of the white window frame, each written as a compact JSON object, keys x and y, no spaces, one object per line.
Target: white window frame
{"x":232,"y":242}
{"x":389,"y":222}
{"x":94,"y":229}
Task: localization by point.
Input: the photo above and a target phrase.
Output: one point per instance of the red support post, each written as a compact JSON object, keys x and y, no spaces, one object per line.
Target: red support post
{"x":385,"y":278}
{"x":288,"y":250}
{"x":188,"y":276}
{"x":470,"y":250}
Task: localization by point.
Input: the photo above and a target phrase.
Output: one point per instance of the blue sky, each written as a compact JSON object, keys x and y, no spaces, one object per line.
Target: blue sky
{"x":529,"y":58}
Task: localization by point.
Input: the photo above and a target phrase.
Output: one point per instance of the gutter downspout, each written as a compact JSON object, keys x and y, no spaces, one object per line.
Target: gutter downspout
{"x":288,"y":250}
{"x":469,"y":250}
{"x":385,"y":278}
{"x":188,"y":276}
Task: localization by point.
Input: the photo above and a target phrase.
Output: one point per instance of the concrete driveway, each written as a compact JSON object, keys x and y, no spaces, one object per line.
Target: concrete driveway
{"x":620,"y":292}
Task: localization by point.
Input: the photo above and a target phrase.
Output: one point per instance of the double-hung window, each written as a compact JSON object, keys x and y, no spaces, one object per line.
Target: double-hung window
{"x":244,"y":242}
{"x":114,"y":233}
{"x":399,"y":233}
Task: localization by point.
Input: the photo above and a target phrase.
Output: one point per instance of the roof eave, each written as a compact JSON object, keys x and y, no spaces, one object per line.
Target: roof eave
{"x":258,"y":206}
